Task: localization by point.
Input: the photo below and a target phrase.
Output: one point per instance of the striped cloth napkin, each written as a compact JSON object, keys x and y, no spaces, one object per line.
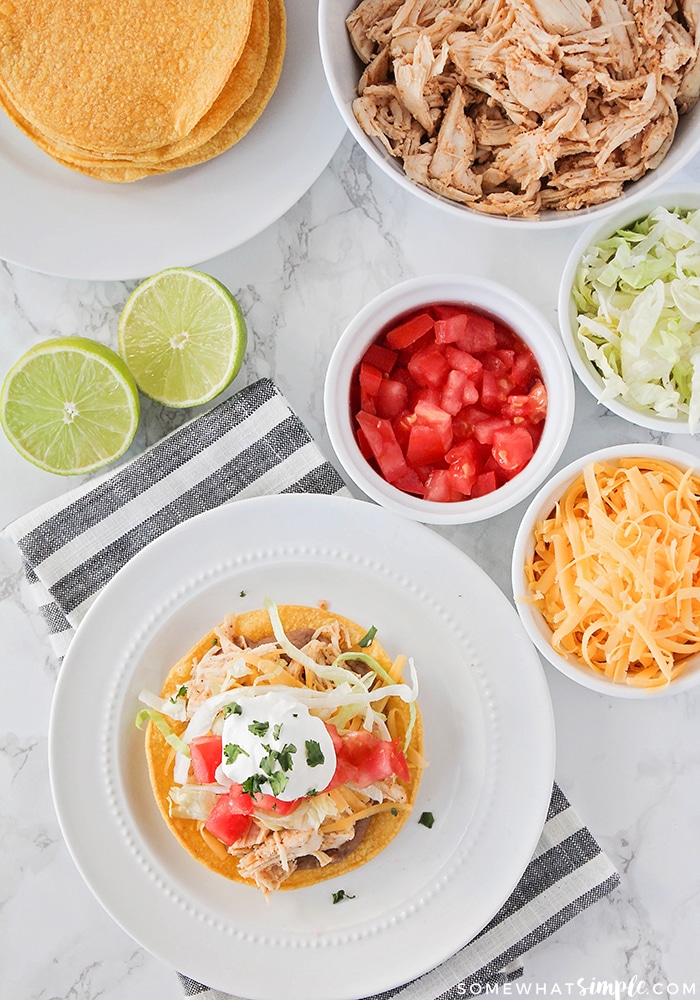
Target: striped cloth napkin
{"x":253,"y":444}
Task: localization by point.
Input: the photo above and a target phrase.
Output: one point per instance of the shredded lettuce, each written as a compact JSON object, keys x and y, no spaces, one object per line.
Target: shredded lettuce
{"x":191,"y":801}
{"x":637,"y":296}
{"x":159,"y":720}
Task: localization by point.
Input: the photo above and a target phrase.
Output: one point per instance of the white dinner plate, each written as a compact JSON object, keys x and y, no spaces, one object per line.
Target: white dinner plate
{"x":60,"y":222}
{"x":489,"y":741}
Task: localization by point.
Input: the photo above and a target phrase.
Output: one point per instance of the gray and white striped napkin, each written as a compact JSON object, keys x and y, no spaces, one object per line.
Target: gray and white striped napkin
{"x":253,"y":444}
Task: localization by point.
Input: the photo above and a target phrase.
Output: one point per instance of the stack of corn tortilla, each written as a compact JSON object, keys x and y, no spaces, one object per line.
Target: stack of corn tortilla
{"x":123,"y":89}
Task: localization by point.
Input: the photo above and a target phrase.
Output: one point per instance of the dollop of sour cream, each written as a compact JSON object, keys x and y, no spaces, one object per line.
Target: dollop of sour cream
{"x":275,"y":740}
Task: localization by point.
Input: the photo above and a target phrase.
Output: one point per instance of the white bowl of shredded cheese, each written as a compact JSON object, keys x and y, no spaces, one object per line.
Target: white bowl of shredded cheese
{"x":629,"y":311}
{"x":606,"y":571}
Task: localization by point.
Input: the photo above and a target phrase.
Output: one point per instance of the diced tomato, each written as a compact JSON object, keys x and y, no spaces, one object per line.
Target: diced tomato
{"x":532,"y":407}
{"x":364,"y":759}
{"x":464,"y":462}
{"x":244,"y":803}
{"x":444,"y":310}
{"x":362,"y":442}
{"x":425,"y":445}
{"x":240,"y":801}
{"x":392,"y":398}
{"x":434,"y":416}
{"x":438,"y":487}
{"x":464,"y":362}
{"x":525,"y":368}
{"x":381,"y":357}
{"x":512,"y":448}
{"x":381,"y":438}
{"x":484,"y":483}
{"x":479,"y":334}
{"x":225,"y":823}
{"x":402,"y":425}
{"x":485,"y":424}
{"x":429,"y":366}
{"x":334,"y":735}
{"x":411,"y":482}
{"x":367,"y":403}
{"x":410,"y":331}
{"x":428,"y":394}
{"x":268,"y":803}
{"x":451,"y":328}
{"x":437,"y":399}
{"x":458,"y":391}
{"x":500,"y":362}
{"x":205,"y":754}
{"x":505,"y":336}
{"x":494,"y":391}
{"x":370,"y":378}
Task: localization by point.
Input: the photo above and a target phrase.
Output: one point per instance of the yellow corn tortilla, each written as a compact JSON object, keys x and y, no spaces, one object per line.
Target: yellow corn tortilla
{"x":255,"y":625}
{"x":233,"y":130}
{"x":118,"y":76}
{"x":238,"y":88}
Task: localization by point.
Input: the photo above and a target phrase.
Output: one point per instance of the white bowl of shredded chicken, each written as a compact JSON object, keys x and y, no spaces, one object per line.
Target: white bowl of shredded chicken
{"x":606,"y":571}
{"x":629,"y":311}
{"x":518,"y":111}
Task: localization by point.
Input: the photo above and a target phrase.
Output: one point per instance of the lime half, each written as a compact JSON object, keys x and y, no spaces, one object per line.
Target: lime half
{"x":70,"y":405}
{"x":183,"y":336}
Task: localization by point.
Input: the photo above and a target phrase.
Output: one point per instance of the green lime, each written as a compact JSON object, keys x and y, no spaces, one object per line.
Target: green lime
{"x":183,"y":336}
{"x":70,"y":405}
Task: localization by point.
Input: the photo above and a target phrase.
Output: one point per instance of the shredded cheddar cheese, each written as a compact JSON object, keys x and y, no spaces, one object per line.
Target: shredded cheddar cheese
{"x":615,"y":571}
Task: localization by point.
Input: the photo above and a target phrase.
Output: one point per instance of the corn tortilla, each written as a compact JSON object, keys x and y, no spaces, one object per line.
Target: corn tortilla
{"x":118,"y":76}
{"x":383,"y":827}
{"x":237,"y":89}
{"x":233,"y":130}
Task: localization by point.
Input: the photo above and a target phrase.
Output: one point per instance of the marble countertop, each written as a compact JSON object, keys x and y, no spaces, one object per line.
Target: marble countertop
{"x":630,"y":769}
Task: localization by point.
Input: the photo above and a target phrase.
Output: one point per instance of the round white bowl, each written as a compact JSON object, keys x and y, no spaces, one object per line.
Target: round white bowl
{"x":673,"y":197}
{"x":535,"y":625}
{"x":343,"y":70}
{"x":487,"y":296}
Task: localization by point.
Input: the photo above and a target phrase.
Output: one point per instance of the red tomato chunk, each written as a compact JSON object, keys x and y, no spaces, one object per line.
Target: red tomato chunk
{"x":448,"y":403}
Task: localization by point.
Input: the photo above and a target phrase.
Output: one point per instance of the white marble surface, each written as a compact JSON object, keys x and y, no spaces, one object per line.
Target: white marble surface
{"x":632,"y":770}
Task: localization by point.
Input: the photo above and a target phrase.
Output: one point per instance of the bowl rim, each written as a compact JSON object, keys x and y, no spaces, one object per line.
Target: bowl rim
{"x":534,"y":625}
{"x":602,"y":227}
{"x":364,"y":327}
{"x":650,"y":181}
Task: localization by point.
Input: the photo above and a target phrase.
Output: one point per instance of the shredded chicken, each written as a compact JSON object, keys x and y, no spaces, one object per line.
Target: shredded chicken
{"x":515,"y":106}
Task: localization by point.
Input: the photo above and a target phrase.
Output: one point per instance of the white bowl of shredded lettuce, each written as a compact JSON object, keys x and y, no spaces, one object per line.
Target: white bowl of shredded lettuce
{"x":629,"y":311}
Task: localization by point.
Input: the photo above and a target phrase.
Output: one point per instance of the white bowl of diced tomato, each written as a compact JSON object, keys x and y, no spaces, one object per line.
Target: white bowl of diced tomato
{"x":449,"y":399}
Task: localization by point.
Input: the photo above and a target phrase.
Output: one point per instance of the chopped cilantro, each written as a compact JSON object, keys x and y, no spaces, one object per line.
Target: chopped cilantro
{"x":253,"y":784}
{"x":394,"y":811}
{"x":340,"y":895}
{"x":259,"y":728}
{"x":215,"y":642}
{"x":242,"y":593}
{"x":426,"y":819}
{"x":267,"y":763}
{"x":276,"y":729}
{"x":312,"y":791}
{"x":367,"y":638}
{"x":278,"y":782}
{"x":180,"y":693}
{"x":284,"y":756}
{"x":314,"y":753}
{"x":233,"y":709}
{"x":232,"y":751}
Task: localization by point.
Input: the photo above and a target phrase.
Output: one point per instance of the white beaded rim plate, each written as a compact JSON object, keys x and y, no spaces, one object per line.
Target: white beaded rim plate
{"x":57,"y":221}
{"x":488,"y":783}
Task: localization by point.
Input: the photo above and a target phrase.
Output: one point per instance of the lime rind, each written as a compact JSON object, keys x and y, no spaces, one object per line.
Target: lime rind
{"x":70,"y":406}
{"x":183,"y":335}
